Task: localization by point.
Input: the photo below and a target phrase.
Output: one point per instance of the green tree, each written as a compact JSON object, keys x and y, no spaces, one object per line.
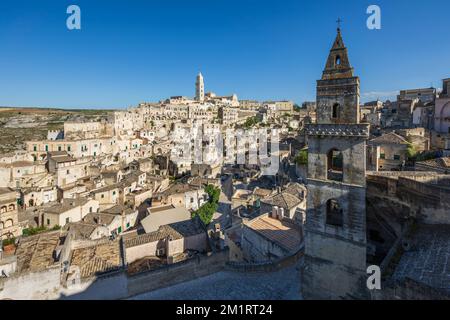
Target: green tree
{"x":302,"y":157}
{"x":411,"y":151}
{"x":206,"y":211}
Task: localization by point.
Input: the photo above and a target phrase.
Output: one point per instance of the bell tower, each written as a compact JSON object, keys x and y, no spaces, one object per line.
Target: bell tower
{"x":338,"y":89}
{"x":335,"y":229}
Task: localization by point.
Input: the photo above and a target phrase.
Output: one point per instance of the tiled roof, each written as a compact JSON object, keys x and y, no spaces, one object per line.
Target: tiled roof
{"x":283,"y":200}
{"x":389,"y":138}
{"x":284,"y":233}
{"x":35,"y":253}
{"x":100,"y":258}
{"x":177,"y":230}
{"x":443,"y":163}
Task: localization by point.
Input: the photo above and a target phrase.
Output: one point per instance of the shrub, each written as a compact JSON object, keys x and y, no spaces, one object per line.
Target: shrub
{"x":9,"y":241}
{"x":302,"y":157}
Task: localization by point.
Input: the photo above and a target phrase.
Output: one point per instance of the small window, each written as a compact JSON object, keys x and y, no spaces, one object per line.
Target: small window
{"x":396,"y":157}
{"x":48,"y":222}
{"x":382,"y":156}
{"x":335,"y":111}
{"x":67,"y":220}
{"x":338,"y":60}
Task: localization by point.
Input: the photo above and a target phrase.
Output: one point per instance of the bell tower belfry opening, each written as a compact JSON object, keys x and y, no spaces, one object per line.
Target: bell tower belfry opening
{"x":335,"y":229}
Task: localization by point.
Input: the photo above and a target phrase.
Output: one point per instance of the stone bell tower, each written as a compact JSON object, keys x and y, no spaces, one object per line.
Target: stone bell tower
{"x":335,"y":230}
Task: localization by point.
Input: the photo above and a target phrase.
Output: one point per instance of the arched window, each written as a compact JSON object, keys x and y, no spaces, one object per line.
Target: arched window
{"x":8,"y":223}
{"x":338,"y":60}
{"x":31,"y":202}
{"x":1,"y":225}
{"x":335,"y":164}
{"x":3,"y":209}
{"x":335,"y":113}
{"x":335,"y":214}
{"x":11,"y":207}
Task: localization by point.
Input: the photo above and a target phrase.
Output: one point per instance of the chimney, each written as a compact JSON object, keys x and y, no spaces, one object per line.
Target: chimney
{"x":280,"y":214}
{"x":274,"y":212}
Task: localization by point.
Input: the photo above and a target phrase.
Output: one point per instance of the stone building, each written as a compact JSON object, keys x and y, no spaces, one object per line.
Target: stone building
{"x":200,"y":88}
{"x":441,"y":134}
{"x":335,"y":230}
{"x":387,"y":152}
{"x":9,"y":220}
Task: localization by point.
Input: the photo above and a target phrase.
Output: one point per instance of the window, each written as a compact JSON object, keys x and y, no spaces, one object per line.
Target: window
{"x":338,"y":60}
{"x":68,"y":171}
{"x":382,"y":156}
{"x":68,"y":148}
{"x":114,"y":193}
{"x":335,"y":111}
{"x":335,"y":165}
{"x":48,"y":222}
{"x":396,"y":157}
{"x":34,"y":148}
{"x":335,"y":216}
{"x":90,"y":209}
{"x":67,"y":220}
{"x":46,"y":148}
{"x":128,"y":225}
{"x":102,"y":196}
{"x":119,"y":230}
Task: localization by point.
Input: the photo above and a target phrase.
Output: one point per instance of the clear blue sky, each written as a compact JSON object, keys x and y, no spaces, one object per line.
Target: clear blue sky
{"x":133,"y":51}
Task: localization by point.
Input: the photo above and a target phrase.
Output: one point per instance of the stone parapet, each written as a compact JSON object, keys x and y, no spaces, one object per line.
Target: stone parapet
{"x":338,"y":130}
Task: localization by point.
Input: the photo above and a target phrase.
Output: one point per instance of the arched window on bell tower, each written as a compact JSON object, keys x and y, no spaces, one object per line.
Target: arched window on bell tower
{"x":337,"y":61}
{"x":335,"y":214}
{"x":335,"y":165}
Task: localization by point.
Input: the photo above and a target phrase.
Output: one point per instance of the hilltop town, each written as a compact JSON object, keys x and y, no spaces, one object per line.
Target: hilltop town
{"x":199,"y":195}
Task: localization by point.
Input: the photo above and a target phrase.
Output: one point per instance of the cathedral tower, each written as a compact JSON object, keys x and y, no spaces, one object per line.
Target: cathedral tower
{"x":335,"y":229}
{"x":199,"y":88}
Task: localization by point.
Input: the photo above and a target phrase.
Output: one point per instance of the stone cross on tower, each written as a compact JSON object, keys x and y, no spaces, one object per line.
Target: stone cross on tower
{"x":338,"y":21}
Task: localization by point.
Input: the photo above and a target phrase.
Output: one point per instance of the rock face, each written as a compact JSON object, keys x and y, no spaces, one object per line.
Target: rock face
{"x":335,"y":232}
{"x":18,"y":125}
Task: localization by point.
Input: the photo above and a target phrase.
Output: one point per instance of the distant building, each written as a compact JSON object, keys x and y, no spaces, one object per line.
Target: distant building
{"x":9,"y":220}
{"x":200,"y":88}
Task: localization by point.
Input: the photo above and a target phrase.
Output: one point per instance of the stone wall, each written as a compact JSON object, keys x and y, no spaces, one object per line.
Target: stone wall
{"x":180,"y":272}
{"x":114,"y":285}
{"x":31,"y":286}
